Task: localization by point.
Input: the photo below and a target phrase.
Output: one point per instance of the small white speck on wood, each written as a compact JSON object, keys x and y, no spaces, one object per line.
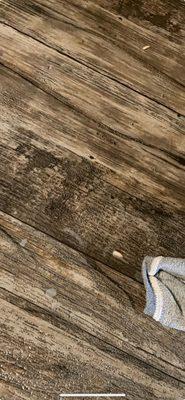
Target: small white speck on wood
{"x":146,"y":47}
{"x":51,"y":292}
{"x":23,"y":242}
{"x":117,"y":254}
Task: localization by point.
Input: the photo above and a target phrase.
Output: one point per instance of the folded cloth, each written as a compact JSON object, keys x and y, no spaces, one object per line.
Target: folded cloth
{"x":164,"y":280}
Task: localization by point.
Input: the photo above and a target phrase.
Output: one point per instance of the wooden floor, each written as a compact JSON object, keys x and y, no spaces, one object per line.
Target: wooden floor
{"x":92,"y":111}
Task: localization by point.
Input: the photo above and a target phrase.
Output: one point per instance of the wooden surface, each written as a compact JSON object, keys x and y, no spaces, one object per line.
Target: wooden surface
{"x":92,"y":113}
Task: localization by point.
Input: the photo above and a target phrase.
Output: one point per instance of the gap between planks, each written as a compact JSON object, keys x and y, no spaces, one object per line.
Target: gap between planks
{"x":90,"y":67}
{"x":91,"y":11}
{"x":43,"y":262}
{"x":175,"y":226}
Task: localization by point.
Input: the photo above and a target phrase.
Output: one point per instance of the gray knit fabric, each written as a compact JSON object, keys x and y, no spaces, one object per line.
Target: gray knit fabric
{"x":164,"y":280}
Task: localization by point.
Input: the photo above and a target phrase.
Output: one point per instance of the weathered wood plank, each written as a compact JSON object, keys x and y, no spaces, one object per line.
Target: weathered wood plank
{"x":137,"y":120}
{"x":165,"y":17}
{"x":92,"y":154}
{"x":91,"y":35}
{"x":122,"y":112}
{"x":65,"y":336}
{"x":44,"y":361}
{"x":69,"y":197}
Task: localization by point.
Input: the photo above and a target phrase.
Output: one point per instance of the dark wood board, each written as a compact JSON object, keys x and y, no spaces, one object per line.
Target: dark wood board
{"x":165,"y":17}
{"x":74,"y":198}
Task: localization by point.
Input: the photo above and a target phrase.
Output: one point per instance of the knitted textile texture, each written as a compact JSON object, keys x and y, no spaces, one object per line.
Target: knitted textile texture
{"x":164,"y":280}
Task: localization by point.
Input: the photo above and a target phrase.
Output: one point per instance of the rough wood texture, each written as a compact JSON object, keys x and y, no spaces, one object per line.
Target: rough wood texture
{"x":166,"y":17}
{"x":76,"y":199}
{"x":79,"y":332}
{"x":92,"y":161}
{"x":94,"y":37}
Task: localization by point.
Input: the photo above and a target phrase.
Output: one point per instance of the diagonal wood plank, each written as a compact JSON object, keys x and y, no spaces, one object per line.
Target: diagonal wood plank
{"x":42,"y":331}
{"x":68,"y":196}
{"x":122,"y":112}
{"x":165,"y":17}
{"x":89,"y":34}
{"x":92,"y":159}
{"x":43,"y":361}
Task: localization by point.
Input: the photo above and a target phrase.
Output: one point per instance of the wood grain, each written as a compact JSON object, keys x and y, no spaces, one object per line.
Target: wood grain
{"x":92,"y":162}
{"x":165,"y":17}
{"x":66,"y":341}
{"x":92,"y":36}
{"x":119,"y":110}
{"x":68,"y":196}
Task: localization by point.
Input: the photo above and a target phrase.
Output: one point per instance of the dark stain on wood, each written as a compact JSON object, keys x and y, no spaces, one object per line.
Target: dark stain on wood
{"x":67,"y":198}
{"x":92,"y":162}
{"x":36,"y":159}
{"x":162,"y":14}
{"x":168,"y":15}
